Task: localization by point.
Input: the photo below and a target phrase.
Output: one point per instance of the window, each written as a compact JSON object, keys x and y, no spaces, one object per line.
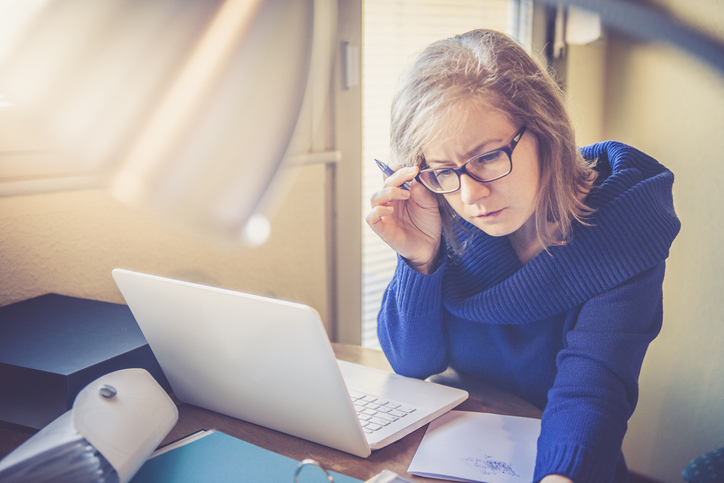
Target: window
{"x":393,"y":32}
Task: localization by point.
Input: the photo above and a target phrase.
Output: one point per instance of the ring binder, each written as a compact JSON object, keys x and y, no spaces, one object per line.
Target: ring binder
{"x":386,"y":476}
{"x":310,"y":462}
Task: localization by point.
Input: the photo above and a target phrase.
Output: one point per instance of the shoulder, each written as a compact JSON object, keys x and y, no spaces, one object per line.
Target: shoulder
{"x":624,"y":169}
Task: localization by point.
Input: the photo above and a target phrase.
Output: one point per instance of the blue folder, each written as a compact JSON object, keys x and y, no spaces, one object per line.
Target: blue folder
{"x":221,"y":458}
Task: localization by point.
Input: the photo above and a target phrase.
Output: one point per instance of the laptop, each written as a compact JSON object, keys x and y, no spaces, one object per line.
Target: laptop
{"x":270,"y":362}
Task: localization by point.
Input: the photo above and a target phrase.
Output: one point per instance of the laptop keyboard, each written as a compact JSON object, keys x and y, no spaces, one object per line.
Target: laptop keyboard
{"x":375,"y":413}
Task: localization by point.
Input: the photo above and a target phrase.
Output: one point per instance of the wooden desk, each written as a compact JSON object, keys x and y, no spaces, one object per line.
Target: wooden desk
{"x":395,"y":457}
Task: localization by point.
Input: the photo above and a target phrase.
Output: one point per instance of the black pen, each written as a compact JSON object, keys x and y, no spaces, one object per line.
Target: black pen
{"x":388,"y":171}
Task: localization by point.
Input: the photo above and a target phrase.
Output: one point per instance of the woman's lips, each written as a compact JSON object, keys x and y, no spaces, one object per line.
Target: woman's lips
{"x":490,"y":215}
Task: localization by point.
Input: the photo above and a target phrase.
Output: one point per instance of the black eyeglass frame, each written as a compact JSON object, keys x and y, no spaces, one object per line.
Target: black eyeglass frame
{"x":508,"y":150}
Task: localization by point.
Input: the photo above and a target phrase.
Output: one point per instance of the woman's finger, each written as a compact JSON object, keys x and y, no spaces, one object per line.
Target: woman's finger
{"x":401,"y":176}
{"x":387,"y":195}
{"x":377,"y":213}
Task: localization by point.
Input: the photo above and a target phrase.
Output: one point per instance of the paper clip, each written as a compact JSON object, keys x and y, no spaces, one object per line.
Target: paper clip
{"x":311,"y":462}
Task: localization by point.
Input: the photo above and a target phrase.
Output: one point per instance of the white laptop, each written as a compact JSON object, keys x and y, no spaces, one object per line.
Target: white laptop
{"x":269,"y":362}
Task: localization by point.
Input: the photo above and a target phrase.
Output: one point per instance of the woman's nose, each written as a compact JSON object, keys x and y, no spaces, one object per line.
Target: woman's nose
{"x":472,"y":191}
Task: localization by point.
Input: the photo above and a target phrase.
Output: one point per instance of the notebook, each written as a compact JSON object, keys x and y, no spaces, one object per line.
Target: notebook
{"x":270,"y":362}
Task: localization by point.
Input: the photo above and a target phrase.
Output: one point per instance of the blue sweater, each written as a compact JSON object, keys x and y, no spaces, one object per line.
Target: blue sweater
{"x":567,"y":331}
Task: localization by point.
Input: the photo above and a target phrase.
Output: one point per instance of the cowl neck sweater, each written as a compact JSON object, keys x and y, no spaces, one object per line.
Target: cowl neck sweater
{"x":630,"y":231}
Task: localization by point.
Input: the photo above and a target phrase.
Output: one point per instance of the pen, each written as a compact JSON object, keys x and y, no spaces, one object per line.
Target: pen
{"x":388,"y":171}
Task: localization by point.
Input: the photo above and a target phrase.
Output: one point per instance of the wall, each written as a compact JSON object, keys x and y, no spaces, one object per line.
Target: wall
{"x":671,"y":106}
{"x":68,"y":243}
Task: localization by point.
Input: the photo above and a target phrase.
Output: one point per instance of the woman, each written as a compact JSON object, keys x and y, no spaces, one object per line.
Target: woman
{"x":522,"y":260}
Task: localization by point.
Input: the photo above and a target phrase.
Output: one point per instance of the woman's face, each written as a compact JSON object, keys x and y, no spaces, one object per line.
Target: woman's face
{"x":503,"y":207}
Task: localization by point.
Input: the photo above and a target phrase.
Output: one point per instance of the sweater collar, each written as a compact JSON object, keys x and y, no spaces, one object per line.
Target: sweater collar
{"x":631,"y":231}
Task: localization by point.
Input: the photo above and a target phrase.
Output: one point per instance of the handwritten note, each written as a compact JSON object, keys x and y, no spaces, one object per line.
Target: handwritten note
{"x":481,"y":447}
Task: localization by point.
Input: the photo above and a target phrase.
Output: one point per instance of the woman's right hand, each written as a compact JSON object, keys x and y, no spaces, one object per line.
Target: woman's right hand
{"x":408,"y":221}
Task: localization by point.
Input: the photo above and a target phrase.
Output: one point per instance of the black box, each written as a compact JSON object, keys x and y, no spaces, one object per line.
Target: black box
{"x":53,"y":346}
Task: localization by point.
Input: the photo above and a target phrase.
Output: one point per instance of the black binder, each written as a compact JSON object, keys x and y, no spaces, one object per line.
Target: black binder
{"x":52,"y":346}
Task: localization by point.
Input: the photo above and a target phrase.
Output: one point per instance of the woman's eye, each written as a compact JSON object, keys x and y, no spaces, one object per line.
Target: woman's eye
{"x":490,"y":157}
{"x":443,"y":173}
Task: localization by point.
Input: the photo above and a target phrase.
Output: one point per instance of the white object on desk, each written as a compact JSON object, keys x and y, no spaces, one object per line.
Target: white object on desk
{"x":471,"y":446}
{"x":123,"y":416}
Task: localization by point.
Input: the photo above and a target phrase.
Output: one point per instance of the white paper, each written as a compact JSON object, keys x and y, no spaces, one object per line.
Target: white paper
{"x":471,"y":446}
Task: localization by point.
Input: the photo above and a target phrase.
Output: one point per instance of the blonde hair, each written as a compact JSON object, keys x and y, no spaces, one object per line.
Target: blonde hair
{"x":487,"y":68}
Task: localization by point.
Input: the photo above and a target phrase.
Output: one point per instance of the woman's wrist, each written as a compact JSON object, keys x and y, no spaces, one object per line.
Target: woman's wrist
{"x":426,"y":268}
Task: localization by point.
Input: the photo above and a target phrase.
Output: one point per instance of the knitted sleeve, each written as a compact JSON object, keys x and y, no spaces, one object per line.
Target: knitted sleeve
{"x":596,"y":386}
{"x":410,"y":324}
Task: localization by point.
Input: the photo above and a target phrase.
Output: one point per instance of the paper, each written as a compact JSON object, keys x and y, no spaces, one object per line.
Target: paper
{"x":470,"y":446}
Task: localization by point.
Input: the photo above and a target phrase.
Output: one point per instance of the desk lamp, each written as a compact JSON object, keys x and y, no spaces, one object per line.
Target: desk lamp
{"x":180,"y":108}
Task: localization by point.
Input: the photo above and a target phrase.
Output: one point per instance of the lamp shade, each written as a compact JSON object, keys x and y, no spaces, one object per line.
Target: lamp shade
{"x":183,"y":108}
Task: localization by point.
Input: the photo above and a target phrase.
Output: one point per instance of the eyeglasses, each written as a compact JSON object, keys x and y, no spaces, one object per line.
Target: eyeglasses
{"x":485,"y":167}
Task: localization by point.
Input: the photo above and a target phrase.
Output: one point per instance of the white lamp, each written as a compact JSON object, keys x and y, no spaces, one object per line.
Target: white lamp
{"x":184,"y":108}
